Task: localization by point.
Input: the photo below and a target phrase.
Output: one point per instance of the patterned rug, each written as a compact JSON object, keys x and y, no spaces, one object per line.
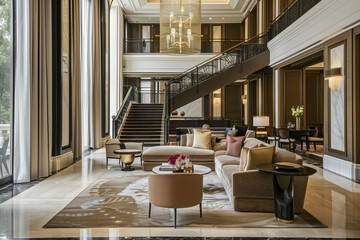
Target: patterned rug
{"x":119,"y":199}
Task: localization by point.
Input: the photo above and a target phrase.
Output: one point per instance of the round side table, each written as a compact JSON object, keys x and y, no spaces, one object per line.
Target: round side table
{"x":127,"y":157}
{"x":283,"y":198}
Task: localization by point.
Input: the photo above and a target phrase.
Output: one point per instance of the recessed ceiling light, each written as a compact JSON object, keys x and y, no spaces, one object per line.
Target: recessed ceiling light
{"x":210,"y":18}
{"x":149,"y":18}
{"x":223,"y":18}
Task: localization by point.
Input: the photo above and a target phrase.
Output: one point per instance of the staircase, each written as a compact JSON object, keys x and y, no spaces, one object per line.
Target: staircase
{"x":235,"y":63}
{"x":143,"y":123}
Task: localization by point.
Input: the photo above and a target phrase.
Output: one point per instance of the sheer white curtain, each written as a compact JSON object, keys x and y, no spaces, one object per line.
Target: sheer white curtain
{"x":86,"y":46}
{"x":22,"y":94}
{"x":116,"y":52}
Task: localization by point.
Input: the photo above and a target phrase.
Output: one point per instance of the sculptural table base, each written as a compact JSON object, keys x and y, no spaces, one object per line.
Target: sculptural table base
{"x":127,"y":159}
{"x":283,"y":199}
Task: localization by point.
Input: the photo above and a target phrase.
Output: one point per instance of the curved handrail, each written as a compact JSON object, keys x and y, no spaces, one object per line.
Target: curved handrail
{"x":119,"y":117}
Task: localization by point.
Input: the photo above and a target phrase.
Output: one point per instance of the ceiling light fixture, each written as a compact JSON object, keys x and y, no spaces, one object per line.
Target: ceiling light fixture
{"x":180,"y":26}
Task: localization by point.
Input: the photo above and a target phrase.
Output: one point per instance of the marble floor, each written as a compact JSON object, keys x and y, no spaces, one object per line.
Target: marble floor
{"x":332,"y":199}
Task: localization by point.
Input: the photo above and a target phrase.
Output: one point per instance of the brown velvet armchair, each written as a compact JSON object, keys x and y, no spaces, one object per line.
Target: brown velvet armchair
{"x":177,"y":190}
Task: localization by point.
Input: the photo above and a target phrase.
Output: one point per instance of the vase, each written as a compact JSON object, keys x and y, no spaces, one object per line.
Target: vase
{"x":298,"y":123}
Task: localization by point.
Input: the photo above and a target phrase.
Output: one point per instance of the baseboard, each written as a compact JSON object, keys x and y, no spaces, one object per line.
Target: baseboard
{"x":61,"y":161}
{"x":344,"y":168}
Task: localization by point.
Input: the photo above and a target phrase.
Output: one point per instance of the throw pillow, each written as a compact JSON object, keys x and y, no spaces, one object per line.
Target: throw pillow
{"x":244,"y":155}
{"x":232,"y":132}
{"x":220,"y":146}
{"x":189,"y":140}
{"x":202,"y":139}
{"x":241,"y":130}
{"x":234,"y":146}
{"x":257,"y":156}
{"x":226,"y":131}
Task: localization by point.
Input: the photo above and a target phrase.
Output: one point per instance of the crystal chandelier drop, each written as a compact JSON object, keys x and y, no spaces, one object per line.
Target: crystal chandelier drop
{"x":180,"y":26}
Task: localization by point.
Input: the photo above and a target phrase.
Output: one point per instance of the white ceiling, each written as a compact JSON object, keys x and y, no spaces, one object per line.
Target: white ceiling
{"x":212,"y":11}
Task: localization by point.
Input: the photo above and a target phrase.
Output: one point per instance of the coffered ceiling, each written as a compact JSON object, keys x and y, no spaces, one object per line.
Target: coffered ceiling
{"x":213,"y":11}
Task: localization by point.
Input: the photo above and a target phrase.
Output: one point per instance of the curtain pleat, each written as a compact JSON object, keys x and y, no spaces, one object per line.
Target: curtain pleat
{"x":40,"y":88}
{"x":76,"y":81}
{"x":21,"y":108}
{"x":96,"y":139}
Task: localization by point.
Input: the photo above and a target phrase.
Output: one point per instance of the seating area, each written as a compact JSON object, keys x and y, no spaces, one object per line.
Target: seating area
{"x":179,"y":119}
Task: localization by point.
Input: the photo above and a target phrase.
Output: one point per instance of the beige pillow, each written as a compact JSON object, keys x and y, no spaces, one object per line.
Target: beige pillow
{"x":189,"y":140}
{"x":220,"y":146}
{"x":257,"y":156}
{"x":244,"y":155}
{"x":202,"y":139}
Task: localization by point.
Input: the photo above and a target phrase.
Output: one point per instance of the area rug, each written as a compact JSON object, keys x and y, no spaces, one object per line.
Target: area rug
{"x":119,"y":199}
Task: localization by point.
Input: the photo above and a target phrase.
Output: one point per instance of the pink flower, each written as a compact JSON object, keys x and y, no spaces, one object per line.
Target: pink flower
{"x":172,"y":160}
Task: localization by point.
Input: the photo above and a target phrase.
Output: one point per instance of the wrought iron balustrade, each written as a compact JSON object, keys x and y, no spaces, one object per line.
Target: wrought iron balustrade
{"x":292,"y":13}
{"x":131,"y":96}
{"x":215,"y":65}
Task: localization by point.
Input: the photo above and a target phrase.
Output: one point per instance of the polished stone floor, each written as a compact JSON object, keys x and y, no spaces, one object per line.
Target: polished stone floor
{"x":332,"y":199}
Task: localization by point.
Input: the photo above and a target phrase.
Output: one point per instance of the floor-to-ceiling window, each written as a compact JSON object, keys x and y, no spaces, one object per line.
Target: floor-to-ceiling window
{"x":5,"y":90}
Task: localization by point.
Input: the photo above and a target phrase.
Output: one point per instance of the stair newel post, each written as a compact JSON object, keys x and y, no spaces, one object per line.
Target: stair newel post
{"x":167,"y":112}
{"x":197,"y":79}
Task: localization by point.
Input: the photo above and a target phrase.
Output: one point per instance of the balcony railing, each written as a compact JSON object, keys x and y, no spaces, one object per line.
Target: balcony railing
{"x":153,"y":45}
{"x":292,"y":13}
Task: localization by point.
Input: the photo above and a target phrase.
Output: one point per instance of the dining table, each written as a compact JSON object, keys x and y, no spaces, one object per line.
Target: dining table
{"x":297,"y":134}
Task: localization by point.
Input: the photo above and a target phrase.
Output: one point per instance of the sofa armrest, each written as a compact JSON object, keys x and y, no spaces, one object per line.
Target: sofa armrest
{"x":256,"y":184}
{"x":252,"y":184}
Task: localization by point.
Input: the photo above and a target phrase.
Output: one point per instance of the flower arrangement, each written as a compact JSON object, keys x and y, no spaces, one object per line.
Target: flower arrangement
{"x":179,"y":160}
{"x":297,"y":111}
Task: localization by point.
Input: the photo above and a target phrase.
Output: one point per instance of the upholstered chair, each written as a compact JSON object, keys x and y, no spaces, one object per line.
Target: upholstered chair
{"x":177,"y":190}
{"x":114,"y":144}
{"x":285,"y":139}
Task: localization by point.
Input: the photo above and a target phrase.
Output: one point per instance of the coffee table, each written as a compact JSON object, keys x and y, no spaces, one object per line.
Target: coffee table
{"x":283,"y":198}
{"x":127,"y":157}
{"x":199,"y":169}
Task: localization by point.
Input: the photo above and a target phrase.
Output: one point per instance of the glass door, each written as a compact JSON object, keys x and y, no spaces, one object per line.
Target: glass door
{"x":5,"y":91}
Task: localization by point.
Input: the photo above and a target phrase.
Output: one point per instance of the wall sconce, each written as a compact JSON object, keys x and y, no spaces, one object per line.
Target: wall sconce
{"x":244,"y":100}
{"x":335,"y":77}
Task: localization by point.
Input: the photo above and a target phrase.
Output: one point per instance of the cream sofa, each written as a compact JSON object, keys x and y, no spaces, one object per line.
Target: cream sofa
{"x":154,"y":156}
{"x":253,"y":190}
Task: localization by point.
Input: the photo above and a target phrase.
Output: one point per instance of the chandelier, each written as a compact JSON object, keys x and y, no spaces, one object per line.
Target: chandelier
{"x":180,"y":26}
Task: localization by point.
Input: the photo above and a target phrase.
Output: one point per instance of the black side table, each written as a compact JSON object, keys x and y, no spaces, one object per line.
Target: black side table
{"x":283,"y":198}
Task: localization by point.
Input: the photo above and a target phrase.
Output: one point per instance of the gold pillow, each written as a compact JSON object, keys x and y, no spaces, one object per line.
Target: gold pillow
{"x":257,"y":156}
{"x":202,"y":139}
{"x":244,"y":156}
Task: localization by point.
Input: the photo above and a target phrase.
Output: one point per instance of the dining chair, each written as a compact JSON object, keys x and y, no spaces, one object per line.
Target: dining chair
{"x":175,"y":190}
{"x":318,"y":137}
{"x":271,"y":137}
{"x":284,"y":138}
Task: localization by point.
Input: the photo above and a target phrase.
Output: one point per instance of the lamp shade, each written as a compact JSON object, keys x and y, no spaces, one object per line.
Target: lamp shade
{"x":261,"y":121}
{"x":180,"y":26}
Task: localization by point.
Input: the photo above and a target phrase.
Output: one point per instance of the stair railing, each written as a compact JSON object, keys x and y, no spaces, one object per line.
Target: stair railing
{"x":215,"y":65}
{"x":132,"y":95}
{"x":221,"y":62}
